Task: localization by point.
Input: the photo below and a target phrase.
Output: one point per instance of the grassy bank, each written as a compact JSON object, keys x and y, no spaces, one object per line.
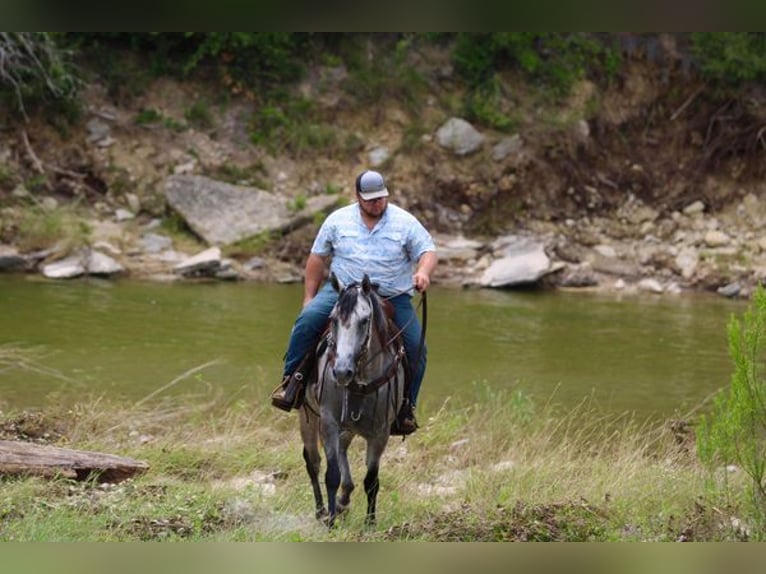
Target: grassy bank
{"x":502,"y":470}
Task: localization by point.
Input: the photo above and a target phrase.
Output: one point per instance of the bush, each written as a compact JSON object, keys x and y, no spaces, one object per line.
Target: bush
{"x":731,"y":57}
{"x":735,"y":431}
{"x":557,"y":60}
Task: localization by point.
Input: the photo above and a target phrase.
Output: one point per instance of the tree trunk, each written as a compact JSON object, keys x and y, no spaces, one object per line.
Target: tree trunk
{"x":18,"y":457}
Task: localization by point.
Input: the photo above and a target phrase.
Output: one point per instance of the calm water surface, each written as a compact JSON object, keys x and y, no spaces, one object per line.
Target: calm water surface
{"x":656,"y":356}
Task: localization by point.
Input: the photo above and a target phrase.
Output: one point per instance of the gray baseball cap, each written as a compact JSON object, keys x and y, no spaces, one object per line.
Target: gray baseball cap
{"x":371,"y":185}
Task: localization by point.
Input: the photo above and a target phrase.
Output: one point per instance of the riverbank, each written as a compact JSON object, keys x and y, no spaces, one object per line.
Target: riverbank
{"x":507,"y":470}
{"x":637,"y":184}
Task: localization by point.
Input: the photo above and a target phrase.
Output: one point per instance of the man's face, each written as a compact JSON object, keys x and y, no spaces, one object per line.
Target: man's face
{"x":373,"y":207}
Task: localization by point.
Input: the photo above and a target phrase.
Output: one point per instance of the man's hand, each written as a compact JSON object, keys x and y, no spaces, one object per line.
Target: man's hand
{"x":422,"y":277}
{"x":421,"y":281}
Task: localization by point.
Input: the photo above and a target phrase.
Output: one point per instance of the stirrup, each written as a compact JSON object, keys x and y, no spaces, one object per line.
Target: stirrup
{"x":405,"y":422}
{"x":288,"y":395}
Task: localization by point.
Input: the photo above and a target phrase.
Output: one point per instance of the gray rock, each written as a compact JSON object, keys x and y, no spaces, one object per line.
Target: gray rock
{"x":651,"y":285}
{"x":694,"y":208}
{"x":511,"y":145}
{"x":121,"y":214}
{"x":98,"y":130}
{"x":578,"y":276}
{"x":730,"y":290}
{"x":207,"y":262}
{"x":83,"y":262}
{"x":222,"y":213}
{"x":67,"y":268}
{"x":459,"y":136}
{"x":523,"y":262}
{"x":10,"y":259}
{"x":458,"y":248}
{"x":378,"y":156}
{"x":154,"y":243}
{"x":98,"y":263}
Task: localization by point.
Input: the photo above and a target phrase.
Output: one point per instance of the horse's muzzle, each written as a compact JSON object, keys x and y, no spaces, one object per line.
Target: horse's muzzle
{"x":343,"y":374}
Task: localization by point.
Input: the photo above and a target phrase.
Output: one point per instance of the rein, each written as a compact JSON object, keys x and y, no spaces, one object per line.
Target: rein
{"x":374,"y":385}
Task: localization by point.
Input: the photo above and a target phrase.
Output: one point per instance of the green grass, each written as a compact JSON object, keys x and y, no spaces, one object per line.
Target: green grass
{"x":40,"y":228}
{"x":500,"y":469}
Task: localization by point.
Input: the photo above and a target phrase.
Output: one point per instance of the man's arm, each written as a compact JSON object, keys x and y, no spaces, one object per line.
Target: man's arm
{"x":313,"y":276}
{"x":426,"y":265}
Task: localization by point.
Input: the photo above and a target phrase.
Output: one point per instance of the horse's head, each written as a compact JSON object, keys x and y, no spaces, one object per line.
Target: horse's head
{"x":351,"y":326}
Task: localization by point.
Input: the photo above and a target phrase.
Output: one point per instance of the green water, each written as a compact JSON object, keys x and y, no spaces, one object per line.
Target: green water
{"x":656,"y":356}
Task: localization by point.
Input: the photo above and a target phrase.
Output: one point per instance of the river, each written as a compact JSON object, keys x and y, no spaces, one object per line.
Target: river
{"x":656,"y":356}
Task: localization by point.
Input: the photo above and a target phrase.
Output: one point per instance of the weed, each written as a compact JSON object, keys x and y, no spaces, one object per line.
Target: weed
{"x":199,"y":115}
{"x":148,"y":116}
{"x":297,"y":204}
{"x":40,"y":228}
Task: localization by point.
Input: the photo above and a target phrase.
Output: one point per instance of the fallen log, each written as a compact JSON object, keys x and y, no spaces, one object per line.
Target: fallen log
{"x":17,"y":457}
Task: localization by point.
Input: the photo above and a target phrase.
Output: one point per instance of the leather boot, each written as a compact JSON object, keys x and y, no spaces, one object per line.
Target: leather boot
{"x":289,"y":394}
{"x":405,"y":422}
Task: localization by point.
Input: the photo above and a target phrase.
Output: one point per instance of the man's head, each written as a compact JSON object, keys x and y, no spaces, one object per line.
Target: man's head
{"x":372,"y":193}
{"x":370,"y":185}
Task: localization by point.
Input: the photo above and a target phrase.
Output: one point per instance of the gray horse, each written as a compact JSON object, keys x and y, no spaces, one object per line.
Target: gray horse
{"x":358,"y":391}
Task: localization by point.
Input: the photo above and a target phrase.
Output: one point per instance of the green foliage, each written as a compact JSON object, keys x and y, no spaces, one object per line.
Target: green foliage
{"x":199,"y":115}
{"x":40,"y":228}
{"x":245,"y":62}
{"x":237,"y":175}
{"x":34,"y":71}
{"x":297,"y":204}
{"x":254,"y":60}
{"x":486,"y":104}
{"x":731,"y":57}
{"x":385,"y":76}
{"x":151,"y":117}
{"x":557,"y":60}
{"x":148,"y":116}
{"x":735,"y":431}
{"x":292,"y":126}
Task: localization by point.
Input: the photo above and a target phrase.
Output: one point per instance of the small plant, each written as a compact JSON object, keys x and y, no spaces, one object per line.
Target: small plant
{"x":292,"y":127}
{"x":735,"y":431}
{"x":199,"y":115}
{"x":332,"y":189}
{"x":486,"y":105}
{"x":148,"y":116}
{"x":297,"y":204}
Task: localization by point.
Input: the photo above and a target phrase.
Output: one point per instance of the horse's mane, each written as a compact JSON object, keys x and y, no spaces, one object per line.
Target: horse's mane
{"x":347,"y":302}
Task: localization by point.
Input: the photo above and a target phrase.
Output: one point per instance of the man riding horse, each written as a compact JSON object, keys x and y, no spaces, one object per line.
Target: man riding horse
{"x":398,"y":254}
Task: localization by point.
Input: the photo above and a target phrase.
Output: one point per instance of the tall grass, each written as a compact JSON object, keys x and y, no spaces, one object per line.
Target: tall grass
{"x":501,"y":469}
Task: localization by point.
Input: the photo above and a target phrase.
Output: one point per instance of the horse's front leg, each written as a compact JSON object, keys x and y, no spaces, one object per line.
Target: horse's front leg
{"x":375,"y":448}
{"x":331,"y":441}
{"x":346,"y":482}
{"x":310,"y":436}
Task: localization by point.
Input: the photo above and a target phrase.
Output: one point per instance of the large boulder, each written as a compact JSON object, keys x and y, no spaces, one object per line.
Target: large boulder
{"x":521,"y":261}
{"x":222,"y":213}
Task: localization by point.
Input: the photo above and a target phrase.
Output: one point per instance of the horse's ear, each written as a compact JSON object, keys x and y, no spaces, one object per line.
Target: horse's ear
{"x":366,"y":284}
{"x":335,"y":283}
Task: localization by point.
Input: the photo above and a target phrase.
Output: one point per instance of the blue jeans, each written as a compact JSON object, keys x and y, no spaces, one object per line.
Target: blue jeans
{"x":313,"y":318}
